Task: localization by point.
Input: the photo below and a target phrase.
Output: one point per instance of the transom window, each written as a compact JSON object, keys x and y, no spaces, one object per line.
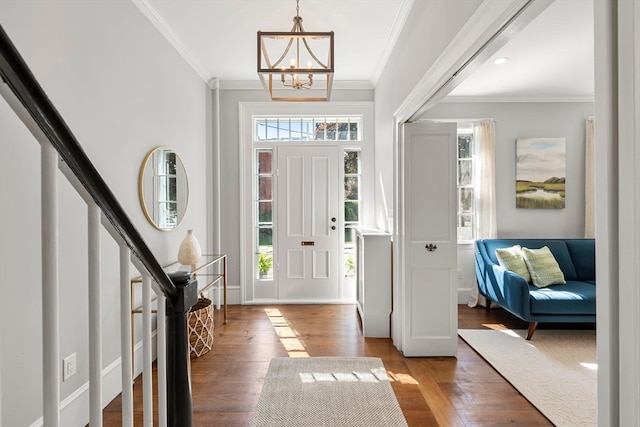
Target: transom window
{"x":305,"y":129}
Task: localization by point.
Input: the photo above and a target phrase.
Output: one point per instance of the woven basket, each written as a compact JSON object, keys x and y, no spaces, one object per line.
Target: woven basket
{"x":200,"y":327}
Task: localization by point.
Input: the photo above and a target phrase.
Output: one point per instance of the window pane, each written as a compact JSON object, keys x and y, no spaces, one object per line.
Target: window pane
{"x":351,"y":162}
{"x":264,"y":188}
{"x":264,"y":261}
{"x":264,"y":162}
{"x":265,"y":212}
{"x":330,"y":129}
{"x":307,"y":130}
{"x":465,"y":172}
{"x":351,"y":188}
{"x":318,"y":126}
{"x":261,"y":129}
{"x":465,"y":200}
{"x":464,"y":146}
{"x":343,"y":131}
{"x":283,"y":130}
{"x":265,"y":236}
{"x":351,"y":211}
{"x":465,"y":227}
{"x":170,"y":158}
{"x":354,"y":132}
{"x":296,"y":129}
{"x":272,"y":129}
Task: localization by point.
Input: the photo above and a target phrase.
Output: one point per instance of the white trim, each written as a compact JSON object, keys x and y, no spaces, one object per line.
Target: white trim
{"x":392,"y":38}
{"x":257,"y":85}
{"x":515,"y":99}
{"x":606,"y":180}
{"x":629,"y":209}
{"x":484,"y":33}
{"x":479,"y":35}
{"x":161,"y":25}
{"x":77,"y":402}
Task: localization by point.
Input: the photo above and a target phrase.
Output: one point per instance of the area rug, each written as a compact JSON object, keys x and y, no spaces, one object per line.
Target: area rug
{"x":555,"y":371}
{"x":327,"y":391}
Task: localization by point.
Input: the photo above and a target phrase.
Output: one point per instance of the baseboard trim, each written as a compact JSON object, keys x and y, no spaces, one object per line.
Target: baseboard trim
{"x":73,"y":410}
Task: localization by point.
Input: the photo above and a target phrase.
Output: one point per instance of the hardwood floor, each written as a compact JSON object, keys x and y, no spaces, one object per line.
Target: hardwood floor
{"x":437,"y":391}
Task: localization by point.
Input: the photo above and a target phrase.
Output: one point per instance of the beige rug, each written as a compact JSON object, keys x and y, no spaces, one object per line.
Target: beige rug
{"x":327,"y":391}
{"x":556,"y":370}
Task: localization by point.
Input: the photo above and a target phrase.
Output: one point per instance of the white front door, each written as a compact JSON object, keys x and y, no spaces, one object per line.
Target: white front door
{"x":308,"y":223}
{"x":428,"y":259}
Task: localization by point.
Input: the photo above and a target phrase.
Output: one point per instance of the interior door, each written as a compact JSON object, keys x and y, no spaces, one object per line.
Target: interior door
{"x":309,"y":201}
{"x":429,"y":241}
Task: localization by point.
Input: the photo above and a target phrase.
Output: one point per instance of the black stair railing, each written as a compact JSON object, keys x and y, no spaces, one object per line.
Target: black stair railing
{"x":179,"y":289}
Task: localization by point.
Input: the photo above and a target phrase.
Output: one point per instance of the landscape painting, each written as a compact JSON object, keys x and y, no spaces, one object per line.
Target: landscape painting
{"x":540,"y":173}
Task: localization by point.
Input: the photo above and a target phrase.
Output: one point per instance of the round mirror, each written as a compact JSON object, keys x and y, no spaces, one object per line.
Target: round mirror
{"x":163,"y":188}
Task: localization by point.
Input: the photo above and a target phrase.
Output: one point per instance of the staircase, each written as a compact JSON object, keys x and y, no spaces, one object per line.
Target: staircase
{"x":60,"y":152}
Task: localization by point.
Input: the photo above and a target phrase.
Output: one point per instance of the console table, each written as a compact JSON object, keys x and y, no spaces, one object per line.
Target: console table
{"x":202,"y":269}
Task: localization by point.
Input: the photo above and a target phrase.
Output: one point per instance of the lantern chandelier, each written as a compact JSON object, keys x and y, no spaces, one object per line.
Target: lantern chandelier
{"x":298,"y":74}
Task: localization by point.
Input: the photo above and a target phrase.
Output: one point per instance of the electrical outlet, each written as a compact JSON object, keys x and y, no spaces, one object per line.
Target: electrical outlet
{"x":459,"y":273}
{"x":68,"y":367}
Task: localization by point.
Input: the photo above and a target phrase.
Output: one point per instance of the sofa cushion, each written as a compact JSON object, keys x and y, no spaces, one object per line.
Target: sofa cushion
{"x":558,"y":249}
{"x":583,"y":255}
{"x":511,"y":259}
{"x":571,"y":298}
{"x":543,"y":267}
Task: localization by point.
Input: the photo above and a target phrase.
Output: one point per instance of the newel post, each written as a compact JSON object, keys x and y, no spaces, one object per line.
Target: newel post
{"x":179,"y":401}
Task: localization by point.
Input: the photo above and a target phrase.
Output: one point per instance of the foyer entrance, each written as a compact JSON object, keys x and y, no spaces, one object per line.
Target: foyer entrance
{"x":310,"y":187}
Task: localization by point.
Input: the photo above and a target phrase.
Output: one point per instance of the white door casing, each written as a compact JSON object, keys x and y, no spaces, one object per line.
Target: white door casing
{"x":427,"y":234}
{"x":308,"y":218}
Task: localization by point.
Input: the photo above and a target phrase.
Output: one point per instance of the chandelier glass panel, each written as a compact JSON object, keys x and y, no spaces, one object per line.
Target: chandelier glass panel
{"x":296,"y":65}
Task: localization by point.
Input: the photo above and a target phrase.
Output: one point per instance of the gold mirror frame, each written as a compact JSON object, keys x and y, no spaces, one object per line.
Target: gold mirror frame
{"x":163,"y":188}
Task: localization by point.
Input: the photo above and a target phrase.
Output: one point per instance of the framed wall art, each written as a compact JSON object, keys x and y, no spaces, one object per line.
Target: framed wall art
{"x":540,"y":173}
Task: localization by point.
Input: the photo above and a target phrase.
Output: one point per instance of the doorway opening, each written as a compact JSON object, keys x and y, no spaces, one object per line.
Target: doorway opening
{"x":310,"y":187}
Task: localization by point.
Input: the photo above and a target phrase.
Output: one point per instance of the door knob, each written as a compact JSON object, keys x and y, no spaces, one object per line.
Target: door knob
{"x":431,"y":247}
{"x":333,"y":219}
{"x":333,"y":227}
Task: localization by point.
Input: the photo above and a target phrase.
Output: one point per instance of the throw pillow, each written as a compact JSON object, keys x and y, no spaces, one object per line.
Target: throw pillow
{"x":511,"y":259}
{"x":543,"y":267}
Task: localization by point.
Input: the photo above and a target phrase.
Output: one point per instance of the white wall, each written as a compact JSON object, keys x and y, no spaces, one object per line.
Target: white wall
{"x":430,"y":27}
{"x":122,"y":90}
{"x":526,"y":120}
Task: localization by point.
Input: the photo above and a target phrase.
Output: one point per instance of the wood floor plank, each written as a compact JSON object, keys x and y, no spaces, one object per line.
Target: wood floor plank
{"x":438,"y":391}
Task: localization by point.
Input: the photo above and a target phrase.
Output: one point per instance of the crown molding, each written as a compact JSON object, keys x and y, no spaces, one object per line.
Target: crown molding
{"x":256,"y":85}
{"x":161,"y":25}
{"x":394,"y":34}
{"x":522,"y":99}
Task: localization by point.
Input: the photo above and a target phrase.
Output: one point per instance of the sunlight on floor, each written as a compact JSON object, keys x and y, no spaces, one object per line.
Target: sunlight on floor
{"x":401,"y":378}
{"x":592,"y":366}
{"x":500,"y":327}
{"x":287,"y":335}
{"x":295,"y":348}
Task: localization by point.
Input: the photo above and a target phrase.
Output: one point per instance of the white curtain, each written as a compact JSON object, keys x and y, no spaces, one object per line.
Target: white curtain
{"x":589,"y":180}
{"x":485,"y":189}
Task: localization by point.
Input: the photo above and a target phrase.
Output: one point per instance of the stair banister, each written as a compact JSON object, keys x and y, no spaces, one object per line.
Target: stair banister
{"x":25,"y":96}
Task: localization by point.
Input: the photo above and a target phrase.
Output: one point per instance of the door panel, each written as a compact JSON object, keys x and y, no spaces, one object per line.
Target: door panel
{"x":308,"y":246}
{"x":429,"y":261}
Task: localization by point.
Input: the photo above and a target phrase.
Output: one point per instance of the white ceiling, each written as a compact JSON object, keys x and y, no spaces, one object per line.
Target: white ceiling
{"x":551,"y":57}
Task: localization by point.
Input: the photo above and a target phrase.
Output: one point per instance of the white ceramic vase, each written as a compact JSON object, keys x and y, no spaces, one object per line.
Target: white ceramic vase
{"x":189,"y":252}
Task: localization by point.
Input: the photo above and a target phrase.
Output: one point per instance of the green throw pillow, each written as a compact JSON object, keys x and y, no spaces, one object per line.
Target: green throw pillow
{"x":511,"y":259}
{"x":543,"y":267}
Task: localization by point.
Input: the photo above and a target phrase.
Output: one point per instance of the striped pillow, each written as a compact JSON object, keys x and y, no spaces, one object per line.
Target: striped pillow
{"x":512,"y":260}
{"x":543,"y":267}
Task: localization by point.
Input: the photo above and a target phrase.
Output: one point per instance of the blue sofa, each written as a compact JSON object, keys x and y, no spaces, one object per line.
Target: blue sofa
{"x":574,"y":301}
